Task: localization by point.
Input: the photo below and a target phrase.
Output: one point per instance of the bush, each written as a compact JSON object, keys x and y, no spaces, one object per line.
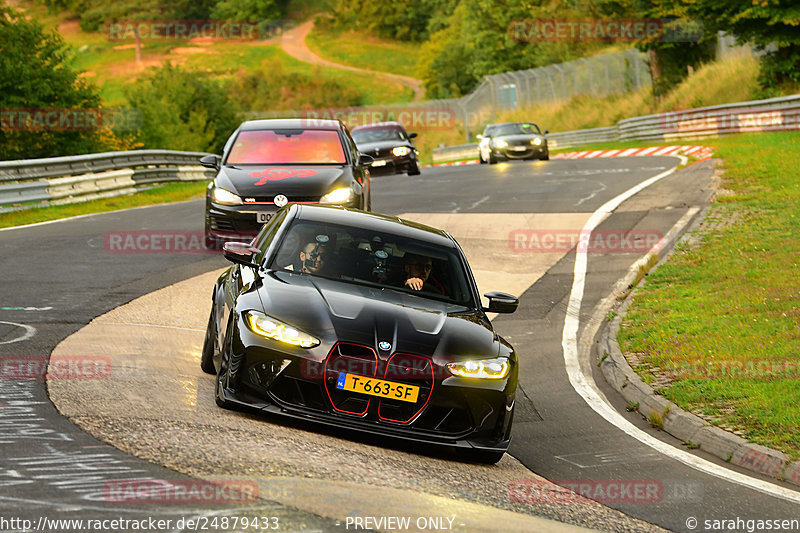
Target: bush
{"x":182,"y":110}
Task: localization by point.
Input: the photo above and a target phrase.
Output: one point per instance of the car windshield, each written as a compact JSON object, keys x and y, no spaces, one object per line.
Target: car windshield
{"x":267,"y":147}
{"x":516,"y":129}
{"x":378,"y":259}
{"x":374,"y":136}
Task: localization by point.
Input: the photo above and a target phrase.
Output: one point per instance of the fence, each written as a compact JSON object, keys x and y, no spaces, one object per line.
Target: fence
{"x":60,"y":180}
{"x":774,"y":114}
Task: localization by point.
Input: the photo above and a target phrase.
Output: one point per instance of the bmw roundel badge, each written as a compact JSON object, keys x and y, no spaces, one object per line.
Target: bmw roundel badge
{"x":385,"y":346}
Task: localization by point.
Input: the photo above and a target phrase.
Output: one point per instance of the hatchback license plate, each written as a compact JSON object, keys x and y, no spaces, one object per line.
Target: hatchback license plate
{"x":377,"y":387}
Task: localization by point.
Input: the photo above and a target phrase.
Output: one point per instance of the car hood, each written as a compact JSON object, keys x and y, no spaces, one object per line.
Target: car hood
{"x":291,"y":180}
{"x":339,"y":311}
{"x":518,"y":137}
{"x":366,"y":148}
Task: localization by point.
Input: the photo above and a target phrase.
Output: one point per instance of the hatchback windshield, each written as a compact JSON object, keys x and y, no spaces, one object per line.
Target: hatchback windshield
{"x":268,"y":147}
{"x":372,"y":136}
{"x":516,"y":129}
{"x":379,"y":259}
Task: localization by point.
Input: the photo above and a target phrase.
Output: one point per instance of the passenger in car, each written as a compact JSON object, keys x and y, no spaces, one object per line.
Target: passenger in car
{"x":418,"y":271}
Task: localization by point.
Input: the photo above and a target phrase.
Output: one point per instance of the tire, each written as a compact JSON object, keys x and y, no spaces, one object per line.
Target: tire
{"x":545,"y":158}
{"x":207,"y":355}
{"x":488,"y":457}
{"x":492,"y":159}
{"x":414,"y":171}
{"x":480,"y":157}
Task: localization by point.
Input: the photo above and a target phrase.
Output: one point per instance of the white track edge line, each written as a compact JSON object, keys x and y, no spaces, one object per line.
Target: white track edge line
{"x":584,"y":388}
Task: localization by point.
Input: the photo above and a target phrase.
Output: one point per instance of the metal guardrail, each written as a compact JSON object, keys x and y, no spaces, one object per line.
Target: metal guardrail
{"x":774,"y":114}
{"x":59,"y":180}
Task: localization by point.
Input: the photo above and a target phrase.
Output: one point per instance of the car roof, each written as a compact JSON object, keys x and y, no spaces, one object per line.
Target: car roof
{"x":380,"y":126}
{"x":373,"y":221}
{"x":292,"y":123}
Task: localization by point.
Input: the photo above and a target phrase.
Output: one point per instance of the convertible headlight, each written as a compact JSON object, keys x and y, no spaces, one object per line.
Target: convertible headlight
{"x":537,"y":141}
{"x":338,"y":196}
{"x":500,"y":143}
{"x":400,"y":151}
{"x":221,"y":196}
{"x":496,"y":368}
{"x":268,"y":327}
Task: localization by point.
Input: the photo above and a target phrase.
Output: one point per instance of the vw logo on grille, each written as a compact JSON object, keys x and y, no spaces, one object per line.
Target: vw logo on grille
{"x":280,"y":200}
{"x":385,"y":346}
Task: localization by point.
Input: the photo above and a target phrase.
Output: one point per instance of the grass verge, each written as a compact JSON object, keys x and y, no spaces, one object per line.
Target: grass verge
{"x":718,"y":325}
{"x":160,"y":194}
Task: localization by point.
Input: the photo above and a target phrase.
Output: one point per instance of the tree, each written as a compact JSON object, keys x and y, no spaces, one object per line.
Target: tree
{"x":130,"y":13}
{"x":36,"y":75}
{"x":771,"y":25}
{"x":182,"y":110}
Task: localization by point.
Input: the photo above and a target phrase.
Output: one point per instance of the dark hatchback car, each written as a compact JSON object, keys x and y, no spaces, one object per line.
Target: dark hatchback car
{"x":390,"y":146}
{"x":512,"y":140}
{"x":269,"y":163}
{"x":317,"y":320}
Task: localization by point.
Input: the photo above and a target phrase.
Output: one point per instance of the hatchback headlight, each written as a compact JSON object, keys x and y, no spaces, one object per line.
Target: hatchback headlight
{"x":496,"y":368}
{"x":268,"y":327}
{"x":400,"y":151}
{"x":221,"y":196}
{"x":500,"y":143}
{"x":537,"y":141}
{"x":338,"y":196}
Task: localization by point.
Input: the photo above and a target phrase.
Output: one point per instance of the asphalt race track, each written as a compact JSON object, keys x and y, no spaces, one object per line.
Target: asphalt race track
{"x":152,"y":402}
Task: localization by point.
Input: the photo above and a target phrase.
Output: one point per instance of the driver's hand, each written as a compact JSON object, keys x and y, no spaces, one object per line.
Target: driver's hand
{"x":414,"y":283}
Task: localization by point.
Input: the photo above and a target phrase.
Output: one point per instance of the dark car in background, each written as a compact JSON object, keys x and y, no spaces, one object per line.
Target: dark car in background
{"x":512,"y":140}
{"x":390,"y":146}
{"x":316,"y":320}
{"x":269,"y":163}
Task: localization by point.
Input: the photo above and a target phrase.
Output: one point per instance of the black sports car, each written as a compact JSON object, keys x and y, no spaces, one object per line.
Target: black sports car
{"x":269,"y":163}
{"x":512,"y":140}
{"x":390,"y":146}
{"x":363,"y":321}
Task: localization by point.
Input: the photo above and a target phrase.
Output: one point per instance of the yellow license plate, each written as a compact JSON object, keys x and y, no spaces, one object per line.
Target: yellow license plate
{"x":377,"y":387}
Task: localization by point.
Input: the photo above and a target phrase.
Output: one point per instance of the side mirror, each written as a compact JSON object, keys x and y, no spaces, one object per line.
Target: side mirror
{"x":412,"y":135}
{"x":211,"y":161}
{"x":365,"y":160}
{"x":546,"y":132}
{"x":500,"y":302}
{"x":240,"y":252}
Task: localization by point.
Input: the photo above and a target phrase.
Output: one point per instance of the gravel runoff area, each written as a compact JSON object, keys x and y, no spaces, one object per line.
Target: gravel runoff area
{"x":157,"y":404}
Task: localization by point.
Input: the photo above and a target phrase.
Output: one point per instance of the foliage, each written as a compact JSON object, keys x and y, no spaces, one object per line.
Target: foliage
{"x":251,"y":10}
{"x":35,"y":74}
{"x":182,"y":110}
{"x":271,"y":87}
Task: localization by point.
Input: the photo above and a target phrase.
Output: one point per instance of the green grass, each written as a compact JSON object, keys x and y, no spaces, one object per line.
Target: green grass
{"x":722,"y":316}
{"x":162,"y":194}
{"x":365,"y":51}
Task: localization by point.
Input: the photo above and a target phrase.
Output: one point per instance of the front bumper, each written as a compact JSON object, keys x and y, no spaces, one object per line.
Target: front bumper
{"x":393,"y":165}
{"x":451,"y":411}
{"x":522,"y":152}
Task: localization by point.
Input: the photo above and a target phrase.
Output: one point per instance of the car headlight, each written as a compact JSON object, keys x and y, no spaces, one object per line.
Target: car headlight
{"x":221,"y":196}
{"x":496,"y":368}
{"x":400,"y":151}
{"x":500,"y":143}
{"x":537,"y":141}
{"x":268,"y":327}
{"x":338,"y":196}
